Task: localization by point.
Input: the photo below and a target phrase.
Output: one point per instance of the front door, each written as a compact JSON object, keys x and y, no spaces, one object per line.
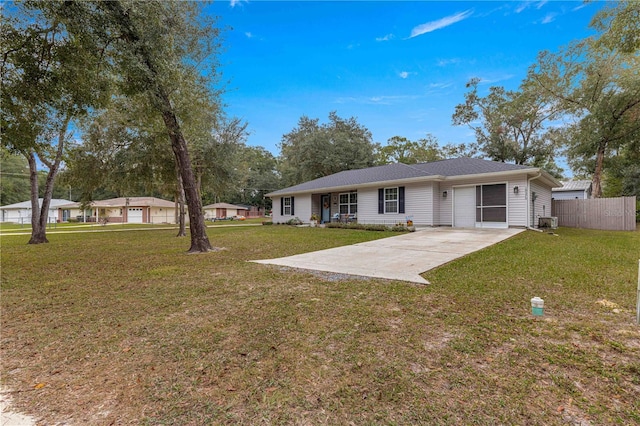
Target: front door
{"x":326,"y":209}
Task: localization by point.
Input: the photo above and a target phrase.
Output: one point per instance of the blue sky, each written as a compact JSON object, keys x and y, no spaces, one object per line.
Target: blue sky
{"x":400,"y":68}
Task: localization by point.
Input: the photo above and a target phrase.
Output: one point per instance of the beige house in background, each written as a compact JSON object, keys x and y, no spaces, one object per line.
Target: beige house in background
{"x":123,"y":210}
{"x":223,"y":211}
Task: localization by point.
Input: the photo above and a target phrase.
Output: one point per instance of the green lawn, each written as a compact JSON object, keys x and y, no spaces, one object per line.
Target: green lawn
{"x":125,"y":328}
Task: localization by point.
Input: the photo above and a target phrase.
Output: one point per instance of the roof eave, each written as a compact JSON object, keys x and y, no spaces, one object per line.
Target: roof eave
{"x":355,"y":186}
{"x":553,"y":182}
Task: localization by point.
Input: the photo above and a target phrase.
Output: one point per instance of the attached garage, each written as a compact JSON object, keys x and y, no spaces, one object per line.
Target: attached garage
{"x":134,"y":215}
{"x":464,"y":207}
{"x":480,"y":206}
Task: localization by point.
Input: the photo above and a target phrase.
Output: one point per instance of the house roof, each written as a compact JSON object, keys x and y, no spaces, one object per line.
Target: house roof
{"x":55,"y":202}
{"x":388,"y":172}
{"x":467,"y":166}
{"x":127,"y":201}
{"x":573,"y":185}
{"x":224,"y":206}
{"x":436,"y":170}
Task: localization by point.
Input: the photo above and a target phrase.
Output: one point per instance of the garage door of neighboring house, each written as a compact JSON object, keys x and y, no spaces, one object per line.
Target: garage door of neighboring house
{"x":134,"y":215}
{"x":464,"y":207}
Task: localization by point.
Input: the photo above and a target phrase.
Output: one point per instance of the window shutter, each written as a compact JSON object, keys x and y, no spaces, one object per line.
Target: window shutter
{"x":381,"y":201}
{"x":281,"y":206}
{"x":401,"y":200}
{"x":292,"y":212}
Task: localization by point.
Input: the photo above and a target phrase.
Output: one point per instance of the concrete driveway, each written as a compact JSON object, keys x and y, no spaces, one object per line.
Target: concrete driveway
{"x":403,"y":257}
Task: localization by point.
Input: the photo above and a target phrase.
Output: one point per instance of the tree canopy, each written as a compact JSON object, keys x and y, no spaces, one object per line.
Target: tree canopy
{"x":596,"y":84}
{"x":149,"y":49}
{"x":313,"y":150}
{"x":509,"y":125}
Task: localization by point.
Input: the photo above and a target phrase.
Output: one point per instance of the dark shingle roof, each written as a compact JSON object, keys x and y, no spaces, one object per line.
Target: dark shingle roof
{"x":467,"y":166}
{"x":399,"y":171}
{"x":384,"y":173}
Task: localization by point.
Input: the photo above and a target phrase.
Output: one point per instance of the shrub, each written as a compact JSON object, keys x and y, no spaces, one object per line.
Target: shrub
{"x":294,"y":221}
{"x":367,"y":227}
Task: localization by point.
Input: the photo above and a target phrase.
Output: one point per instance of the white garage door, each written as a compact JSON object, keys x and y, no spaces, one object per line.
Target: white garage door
{"x":134,"y":215}
{"x":464,"y":207}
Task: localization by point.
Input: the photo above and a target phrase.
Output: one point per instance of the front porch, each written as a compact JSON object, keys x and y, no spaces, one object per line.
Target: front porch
{"x":335,"y":206}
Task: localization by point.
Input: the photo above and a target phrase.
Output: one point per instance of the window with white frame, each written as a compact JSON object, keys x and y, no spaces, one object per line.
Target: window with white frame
{"x":349,"y":203}
{"x":391,"y":200}
{"x":287,"y":206}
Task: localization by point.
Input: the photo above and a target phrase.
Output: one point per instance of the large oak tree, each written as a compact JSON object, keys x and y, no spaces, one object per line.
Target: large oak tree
{"x":150,"y":47}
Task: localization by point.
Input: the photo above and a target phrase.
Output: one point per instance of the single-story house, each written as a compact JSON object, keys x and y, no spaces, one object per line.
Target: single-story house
{"x":572,"y":190}
{"x":124,"y":210}
{"x":21,"y":212}
{"x":223,"y":211}
{"x":460,"y":192}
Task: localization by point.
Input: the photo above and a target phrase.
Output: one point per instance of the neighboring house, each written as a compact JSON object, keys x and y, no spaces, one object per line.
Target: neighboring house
{"x":21,"y":212}
{"x":573,"y":190}
{"x":125,"y":210}
{"x":223,"y":211}
{"x":461,"y":192}
{"x":252,"y":211}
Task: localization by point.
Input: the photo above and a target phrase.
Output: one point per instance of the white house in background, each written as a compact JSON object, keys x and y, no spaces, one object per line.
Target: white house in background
{"x":21,"y":212}
{"x":573,"y":190}
{"x":223,"y":211}
{"x":460,"y":192}
{"x":125,"y":210}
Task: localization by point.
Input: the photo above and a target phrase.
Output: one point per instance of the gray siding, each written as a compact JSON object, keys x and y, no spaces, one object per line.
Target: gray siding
{"x":418,"y":204}
{"x":517,"y":203}
{"x":542,"y":205}
{"x":301,"y":209}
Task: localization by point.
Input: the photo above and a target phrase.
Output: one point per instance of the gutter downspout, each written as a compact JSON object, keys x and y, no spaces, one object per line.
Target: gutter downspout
{"x":529,"y":226}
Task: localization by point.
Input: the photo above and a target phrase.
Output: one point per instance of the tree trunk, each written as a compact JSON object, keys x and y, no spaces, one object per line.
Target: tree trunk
{"x":38,"y":233}
{"x":40,"y":217}
{"x":596,"y":182}
{"x":181,"y":222}
{"x":199,"y":240}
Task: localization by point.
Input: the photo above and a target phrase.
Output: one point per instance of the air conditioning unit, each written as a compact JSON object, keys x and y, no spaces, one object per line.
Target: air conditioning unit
{"x":548,"y":222}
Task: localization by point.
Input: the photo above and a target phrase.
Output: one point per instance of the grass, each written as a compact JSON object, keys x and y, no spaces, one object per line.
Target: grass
{"x":125,"y":328}
{"x":8,"y":228}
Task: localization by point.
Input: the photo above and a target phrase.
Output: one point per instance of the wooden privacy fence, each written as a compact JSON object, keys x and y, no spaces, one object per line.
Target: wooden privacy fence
{"x":612,"y":214}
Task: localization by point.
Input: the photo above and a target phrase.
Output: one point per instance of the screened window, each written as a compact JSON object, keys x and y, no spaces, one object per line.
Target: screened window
{"x":391,"y":200}
{"x":287,"y":206}
{"x":491,"y":203}
{"x":349,"y":203}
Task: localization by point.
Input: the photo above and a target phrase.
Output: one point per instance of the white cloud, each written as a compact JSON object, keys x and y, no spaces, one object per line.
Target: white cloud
{"x":495,"y":79}
{"x":404,"y":74}
{"x":248,"y":34}
{"x":385,"y":38}
{"x":525,"y":5}
{"x":440,"y":23}
{"x":522,"y":6}
{"x":376,"y":100}
{"x":579,"y":7}
{"x":234,"y":3}
{"x":445,"y":62}
{"x":549,"y":18}
{"x":440,"y":85}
